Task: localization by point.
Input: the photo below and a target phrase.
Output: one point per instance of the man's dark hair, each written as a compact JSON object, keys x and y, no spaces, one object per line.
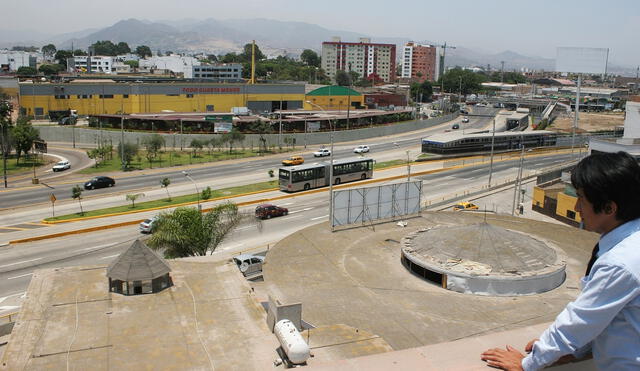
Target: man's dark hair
{"x":606,"y":177}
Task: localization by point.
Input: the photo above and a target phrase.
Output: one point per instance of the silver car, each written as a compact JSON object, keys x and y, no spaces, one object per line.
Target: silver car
{"x":146,"y":226}
{"x":249,"y":264}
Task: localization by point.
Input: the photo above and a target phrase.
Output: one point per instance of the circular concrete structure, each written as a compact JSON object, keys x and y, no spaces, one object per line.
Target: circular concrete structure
{"x":483,"y":259}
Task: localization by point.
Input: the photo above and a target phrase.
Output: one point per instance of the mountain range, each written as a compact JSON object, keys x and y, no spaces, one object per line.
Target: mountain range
{"x":213,"y":36}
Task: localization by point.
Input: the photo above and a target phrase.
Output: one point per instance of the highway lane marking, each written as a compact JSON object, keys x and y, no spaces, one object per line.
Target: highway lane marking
{"x":320,"y":217}
{"x":99,"y":247}
{"x":20,"y":276}
{"x":24,"y":261}
{"x":297,"y":211}
{"x":8,"y":296}
{"x":110,"y":256}
{"x":8,"y":307}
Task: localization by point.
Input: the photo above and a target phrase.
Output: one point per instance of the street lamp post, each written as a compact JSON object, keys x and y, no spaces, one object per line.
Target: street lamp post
{"x":195,"y":185}
{"x":331,"y":126}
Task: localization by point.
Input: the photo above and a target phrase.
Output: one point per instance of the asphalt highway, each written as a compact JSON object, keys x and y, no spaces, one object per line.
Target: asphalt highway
{"x":17,"y":262}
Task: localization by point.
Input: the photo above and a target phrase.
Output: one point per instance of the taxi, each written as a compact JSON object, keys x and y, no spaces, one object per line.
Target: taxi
{"x":293,"y":160}
{"x":462,"y":206}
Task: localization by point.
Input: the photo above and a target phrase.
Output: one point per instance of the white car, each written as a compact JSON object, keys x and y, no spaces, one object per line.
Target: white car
{"x":322,"y":152}
{"x":465,"y":119}
{"x":361,"y":149}
{"x":146,"y":226}
{"x":62,"y":165}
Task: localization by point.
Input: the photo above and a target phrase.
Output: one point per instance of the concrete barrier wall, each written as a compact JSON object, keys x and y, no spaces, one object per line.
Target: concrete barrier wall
{"x":86,"y":137}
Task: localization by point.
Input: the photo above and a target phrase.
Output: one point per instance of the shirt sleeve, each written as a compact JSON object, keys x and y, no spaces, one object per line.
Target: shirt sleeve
{"x":603,"y":296}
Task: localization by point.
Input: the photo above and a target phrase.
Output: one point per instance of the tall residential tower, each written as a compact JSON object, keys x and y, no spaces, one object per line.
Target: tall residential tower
{"x":420,"y":62}
{"x":369,"y":60}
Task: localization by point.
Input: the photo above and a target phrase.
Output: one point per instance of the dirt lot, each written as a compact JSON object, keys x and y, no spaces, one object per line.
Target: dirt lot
{"x":588,"y":122}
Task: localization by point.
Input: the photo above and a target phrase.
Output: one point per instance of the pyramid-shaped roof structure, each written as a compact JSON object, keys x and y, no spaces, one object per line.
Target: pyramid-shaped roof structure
{"x":138,"y":263}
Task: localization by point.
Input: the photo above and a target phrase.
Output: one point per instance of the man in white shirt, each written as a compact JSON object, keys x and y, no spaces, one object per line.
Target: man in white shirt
{"x":604,"y":320}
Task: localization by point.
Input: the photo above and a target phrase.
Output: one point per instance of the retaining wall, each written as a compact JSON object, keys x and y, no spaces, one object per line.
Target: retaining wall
{"x":89,"y":137}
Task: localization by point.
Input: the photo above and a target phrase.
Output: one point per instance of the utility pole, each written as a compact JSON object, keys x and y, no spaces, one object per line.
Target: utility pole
{"x":493,"y":138}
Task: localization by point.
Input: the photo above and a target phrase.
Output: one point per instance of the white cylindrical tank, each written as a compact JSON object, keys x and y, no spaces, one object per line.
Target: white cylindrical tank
{"x":292,"y":342}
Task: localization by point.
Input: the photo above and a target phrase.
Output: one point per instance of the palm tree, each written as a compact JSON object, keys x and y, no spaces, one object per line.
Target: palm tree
{"x":76,"y":193}
{"x":188,"y":232}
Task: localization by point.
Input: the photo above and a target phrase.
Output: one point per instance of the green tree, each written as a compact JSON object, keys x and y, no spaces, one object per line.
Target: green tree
{"x":26,"y":71}
{"x":104,"y":47}
{"x":457,"y":78}
{"x":232,"y":137}
{"x":23,"y":136}
{"x":245,"y":56}
{"x":143,"y":51}
{"x":342,"y":78}
{"x":230,"y":58}
{"x":164,"y":183}
{"x":133,"y":197}
{"x":310,"y":57}
{"x":62,"y":56}
{"x":262,"y":128}
{"x":94,"y":154}
{"x":123,"y":48}
{"x":76,"y":194}
{"x":48,"y":51}
{"x":152,"y":143}
{"x":130,"y":150}
{"x":80,"y":52}
{"x":132,"y":64}
{"x":51,"y":69}
{"x":6,"y":142}
{"x":196,"y":145}
{"x":188,"y":232}
{"x":421,"y":91}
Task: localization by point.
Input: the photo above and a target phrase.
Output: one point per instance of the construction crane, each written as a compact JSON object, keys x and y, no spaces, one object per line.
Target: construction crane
{"x":444,"y":51}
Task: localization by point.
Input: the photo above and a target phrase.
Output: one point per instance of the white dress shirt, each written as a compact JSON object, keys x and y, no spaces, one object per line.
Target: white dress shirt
{"x":605,"y":318}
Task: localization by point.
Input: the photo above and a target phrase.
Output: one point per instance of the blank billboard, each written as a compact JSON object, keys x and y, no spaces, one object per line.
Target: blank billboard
{"x":360,"y":205}
{"x":582,"y":60}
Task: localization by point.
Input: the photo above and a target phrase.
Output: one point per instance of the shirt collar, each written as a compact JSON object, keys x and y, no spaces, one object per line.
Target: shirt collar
{"x":611,"y":239}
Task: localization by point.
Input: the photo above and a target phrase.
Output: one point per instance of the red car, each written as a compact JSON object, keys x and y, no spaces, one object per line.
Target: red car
{"x":267,"y":211}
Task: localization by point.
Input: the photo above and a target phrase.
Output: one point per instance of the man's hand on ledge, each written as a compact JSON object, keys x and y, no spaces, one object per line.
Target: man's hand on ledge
{"x":509,"y":359}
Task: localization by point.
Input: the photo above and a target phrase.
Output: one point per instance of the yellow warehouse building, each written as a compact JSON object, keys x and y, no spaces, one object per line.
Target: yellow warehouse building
{"x":90,"y":97}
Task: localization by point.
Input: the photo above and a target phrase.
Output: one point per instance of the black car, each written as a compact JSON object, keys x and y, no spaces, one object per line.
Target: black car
{"x":99,"y":182}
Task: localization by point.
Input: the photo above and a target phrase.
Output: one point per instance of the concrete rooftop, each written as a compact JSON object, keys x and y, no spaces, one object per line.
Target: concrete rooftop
{"x":351,"y":284}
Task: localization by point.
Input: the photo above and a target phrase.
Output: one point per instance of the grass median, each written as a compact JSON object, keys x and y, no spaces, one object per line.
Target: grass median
{"x":177,"y":200}
{"x":169,"y":202}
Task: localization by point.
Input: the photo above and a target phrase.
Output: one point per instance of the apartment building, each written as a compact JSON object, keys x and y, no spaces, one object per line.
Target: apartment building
{"x":224,"y":71}
{"x":420,"y":62}
{"x":11,"y":60}
{"x":369,"y":60}
{"x":90,"y":64}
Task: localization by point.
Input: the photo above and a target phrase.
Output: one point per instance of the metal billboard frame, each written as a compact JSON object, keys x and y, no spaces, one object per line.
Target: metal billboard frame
{"x":361,"y":205}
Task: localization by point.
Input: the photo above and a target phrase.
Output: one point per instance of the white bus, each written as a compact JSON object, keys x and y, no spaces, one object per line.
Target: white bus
{"x":307,"y":176}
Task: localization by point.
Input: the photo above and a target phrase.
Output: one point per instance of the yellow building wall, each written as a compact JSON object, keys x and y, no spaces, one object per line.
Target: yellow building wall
{"x":567,"y":203}
{"x":332,"y":102}
{"x":148,"y":103}
{"x":538,"y":197}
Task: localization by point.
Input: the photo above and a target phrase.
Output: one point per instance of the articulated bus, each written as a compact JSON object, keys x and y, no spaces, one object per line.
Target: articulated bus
{"x":307,"y":176}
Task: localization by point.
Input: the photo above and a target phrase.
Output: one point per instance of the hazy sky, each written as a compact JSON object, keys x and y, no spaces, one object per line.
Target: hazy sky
{"x":534,"y":27}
